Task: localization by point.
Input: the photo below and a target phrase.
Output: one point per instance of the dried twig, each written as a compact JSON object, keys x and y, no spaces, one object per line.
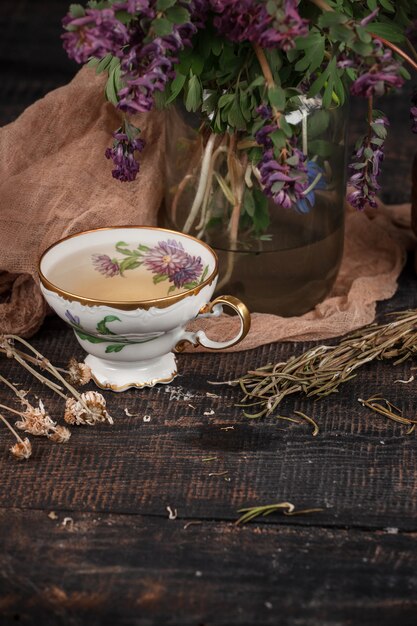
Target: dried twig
{"x":263,"y":511}
{"x":321,"y":370}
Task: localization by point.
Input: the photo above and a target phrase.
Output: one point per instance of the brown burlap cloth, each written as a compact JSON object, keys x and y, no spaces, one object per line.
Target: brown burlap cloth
{"x":54,"y":181}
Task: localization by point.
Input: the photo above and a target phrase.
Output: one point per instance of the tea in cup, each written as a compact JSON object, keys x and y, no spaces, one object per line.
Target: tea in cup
{"x":128,"y":292}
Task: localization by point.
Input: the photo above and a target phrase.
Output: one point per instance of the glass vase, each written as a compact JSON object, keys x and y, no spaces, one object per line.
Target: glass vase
{"x":277,"y":260}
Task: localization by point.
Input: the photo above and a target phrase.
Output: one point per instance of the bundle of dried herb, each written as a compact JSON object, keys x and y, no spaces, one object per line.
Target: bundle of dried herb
{"x":321,"y":370}
{"x":87,"y":408}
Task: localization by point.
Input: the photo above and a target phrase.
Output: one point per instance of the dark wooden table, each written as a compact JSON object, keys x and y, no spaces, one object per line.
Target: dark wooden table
{"x":85,"y":533}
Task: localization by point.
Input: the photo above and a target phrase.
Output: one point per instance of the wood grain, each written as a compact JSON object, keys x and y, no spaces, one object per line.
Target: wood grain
{"x":361,"y":468}
{"x":131,"y":570}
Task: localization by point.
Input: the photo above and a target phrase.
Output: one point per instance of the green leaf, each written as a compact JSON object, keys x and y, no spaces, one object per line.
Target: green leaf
{"x":161,"y":26}
{"x":235,"y":117}
{"x":194,"y":94}
{"x":113,"y":84}
{"x":104,"y":63}
{"x":244,"y":106}
{"x":285,"y":127}
{"x":259,"y":81}
{"x":124,"y":16}
{"x":363,"y":49}
{"x":76,"y":10}
{"x":92,"y":62}
{"x":318,"y":84}
{"x":159,"y":278}
{"x":87,"y":337}
{"x":388,"y":6}
{"x":210,"y":101}
{"x":204,"y":274}
{"x":329,"y":18}
{"x":197,"y":64}
{"x":190,"y":285}
{"x":102,"y":328}
{"x":115,"y":347}
{"x":225,"y":99}
{"x":176,"y":86}
{"x":249,"y":203}
{"x":171,"y":289}
{"x":276,"y":97}
{"x":391,"y":31}
{"x":320,"y":147}
{"x":111,"y":318}
{"x":317,"y":123}
{"x":278,"y":139}
{"x":314,"y":55}
{"x":162,"y":5}
{"x":217,"y":46}
{"x":261,"y":215}
{"x":129,"y":264}
{"x":144,"y":248}
{"x":363,"y":34}
{"x":178,"y":15}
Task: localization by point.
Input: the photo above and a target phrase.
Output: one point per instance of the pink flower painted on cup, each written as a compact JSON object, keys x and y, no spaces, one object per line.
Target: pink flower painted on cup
{"x":104,"y":264}
{"x":169,"y":259}
{"x":187,"y":274}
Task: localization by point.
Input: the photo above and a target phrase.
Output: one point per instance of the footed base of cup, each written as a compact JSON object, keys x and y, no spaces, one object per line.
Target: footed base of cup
{"x":119,"y":376}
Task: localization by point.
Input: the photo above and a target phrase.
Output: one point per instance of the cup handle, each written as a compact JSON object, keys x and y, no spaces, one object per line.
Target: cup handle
{"x":214,"y":309}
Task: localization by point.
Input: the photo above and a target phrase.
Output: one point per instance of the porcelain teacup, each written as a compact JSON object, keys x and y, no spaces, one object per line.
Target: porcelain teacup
{"x":128,"y":292}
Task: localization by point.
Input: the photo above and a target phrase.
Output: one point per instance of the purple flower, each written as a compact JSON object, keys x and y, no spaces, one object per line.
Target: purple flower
{"x":246,"y":20}
{"x":377,"y":74}
{"x":366,"y":166}
{"x":189,"y":273}
{"x":148,"y":68}
{"x":104,"y":264}
{"x":97,"y":33}
{"x":283,"y":180}
{"x":413,"y":112}
{"x":170,"y":259}
{"x":369,"y":17}
{"x":73,"y":319}
{"x":264,"y":111}
{"x":166,"y":258}
{"x":123,"y":154}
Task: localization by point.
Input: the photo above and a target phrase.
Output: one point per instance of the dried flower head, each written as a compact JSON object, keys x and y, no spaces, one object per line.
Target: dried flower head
{"x":22,"y":449}
{"x":78,"y":373}
{"x":89,"y":410}
{"x":60,"y":435}
{"x":36,"y":421}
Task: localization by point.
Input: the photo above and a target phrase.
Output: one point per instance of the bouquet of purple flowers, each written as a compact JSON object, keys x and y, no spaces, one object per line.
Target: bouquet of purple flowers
{"x":244,"y":66}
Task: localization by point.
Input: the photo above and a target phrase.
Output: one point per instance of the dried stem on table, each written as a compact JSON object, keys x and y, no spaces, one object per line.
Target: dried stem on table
{"x":287,"y":508}
{"x":321,"y":370}
{"x":22,"y":449}
{"x":387,"y":409}
{"x":81,"y":408}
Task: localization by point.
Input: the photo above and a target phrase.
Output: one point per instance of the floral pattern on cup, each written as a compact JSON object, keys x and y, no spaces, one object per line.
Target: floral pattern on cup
{"x":115,"y":342}
{"x":167,"y":261}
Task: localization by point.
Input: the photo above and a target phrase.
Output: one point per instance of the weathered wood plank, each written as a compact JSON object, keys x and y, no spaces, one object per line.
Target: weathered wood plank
{"x":360,"y":468}
{"x":130,"y":570}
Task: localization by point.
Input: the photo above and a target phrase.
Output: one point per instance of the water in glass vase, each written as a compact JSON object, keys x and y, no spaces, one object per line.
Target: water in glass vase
{"x":292,"y":272}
